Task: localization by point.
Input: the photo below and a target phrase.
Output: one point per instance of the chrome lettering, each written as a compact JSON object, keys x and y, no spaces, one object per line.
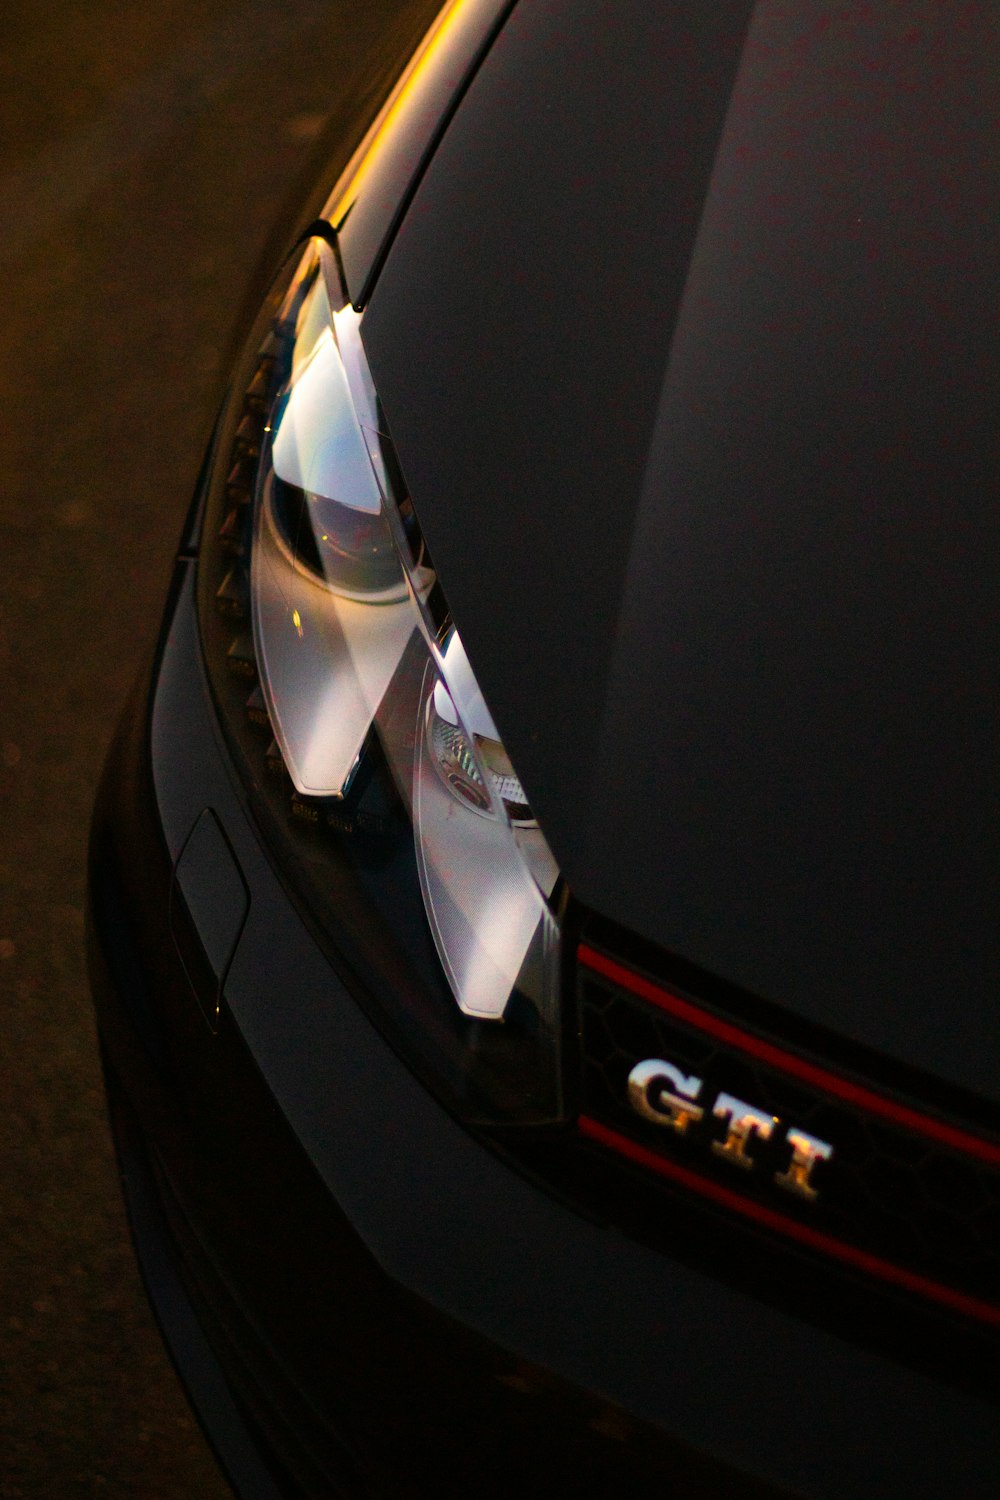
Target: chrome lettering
{"x":745,"y":1122}
{"x":807,"y":1150}
{"x":663,"y":1094}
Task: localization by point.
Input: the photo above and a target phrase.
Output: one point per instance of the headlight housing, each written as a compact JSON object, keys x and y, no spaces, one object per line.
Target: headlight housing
{"x":370,"y":756}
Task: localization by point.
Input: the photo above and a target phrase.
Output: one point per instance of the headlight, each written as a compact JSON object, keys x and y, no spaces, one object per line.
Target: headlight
{"x":371,"y":757}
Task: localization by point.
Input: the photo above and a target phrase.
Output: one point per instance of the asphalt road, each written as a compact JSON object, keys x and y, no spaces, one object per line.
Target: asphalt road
{"x":145,"y":154}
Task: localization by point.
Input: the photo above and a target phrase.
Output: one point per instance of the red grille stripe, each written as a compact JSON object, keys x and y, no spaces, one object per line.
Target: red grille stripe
{"x":970,"y":1307}
{"x":787,"y":1062}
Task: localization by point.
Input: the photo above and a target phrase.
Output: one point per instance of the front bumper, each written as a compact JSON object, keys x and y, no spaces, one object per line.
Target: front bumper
{"x":385,"y":1304}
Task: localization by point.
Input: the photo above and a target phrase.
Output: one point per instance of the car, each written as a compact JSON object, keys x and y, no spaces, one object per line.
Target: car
{"x":542,"y":892}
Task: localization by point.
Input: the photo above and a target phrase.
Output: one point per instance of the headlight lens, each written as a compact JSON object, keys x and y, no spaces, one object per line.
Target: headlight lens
{"x":378,"y":768}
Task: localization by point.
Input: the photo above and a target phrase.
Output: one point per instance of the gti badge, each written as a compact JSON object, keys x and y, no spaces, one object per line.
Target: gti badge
{"x":664,"y":1095}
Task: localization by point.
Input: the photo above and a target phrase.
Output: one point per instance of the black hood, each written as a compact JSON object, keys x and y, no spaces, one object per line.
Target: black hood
{"x":687,"y":345}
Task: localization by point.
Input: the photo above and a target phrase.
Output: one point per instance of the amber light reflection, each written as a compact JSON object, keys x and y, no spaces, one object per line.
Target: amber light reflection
{"x":381,"y":131}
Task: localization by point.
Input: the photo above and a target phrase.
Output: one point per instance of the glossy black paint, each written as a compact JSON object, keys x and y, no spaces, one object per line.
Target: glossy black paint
{"x":312,"y":1182}
{"x":393,"y":1304}
{"x":711,"y":487}
{"x":393,"y":165}
{"x":369,"y":1267}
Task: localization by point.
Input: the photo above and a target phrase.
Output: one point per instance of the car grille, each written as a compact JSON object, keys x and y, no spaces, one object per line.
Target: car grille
{"x":908,"y":1197}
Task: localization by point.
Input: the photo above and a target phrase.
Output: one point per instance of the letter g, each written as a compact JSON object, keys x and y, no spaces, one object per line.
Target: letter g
{"x":663,"y":1094}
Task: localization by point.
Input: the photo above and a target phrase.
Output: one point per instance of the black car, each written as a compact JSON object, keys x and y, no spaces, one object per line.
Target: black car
{"x":543,"y":896}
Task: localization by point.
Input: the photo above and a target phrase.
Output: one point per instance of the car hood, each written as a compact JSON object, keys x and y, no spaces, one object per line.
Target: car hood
{"x":685,"y":344}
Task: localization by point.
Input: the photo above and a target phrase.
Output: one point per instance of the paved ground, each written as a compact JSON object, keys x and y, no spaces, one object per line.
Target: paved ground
{"x":145,"y":151}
